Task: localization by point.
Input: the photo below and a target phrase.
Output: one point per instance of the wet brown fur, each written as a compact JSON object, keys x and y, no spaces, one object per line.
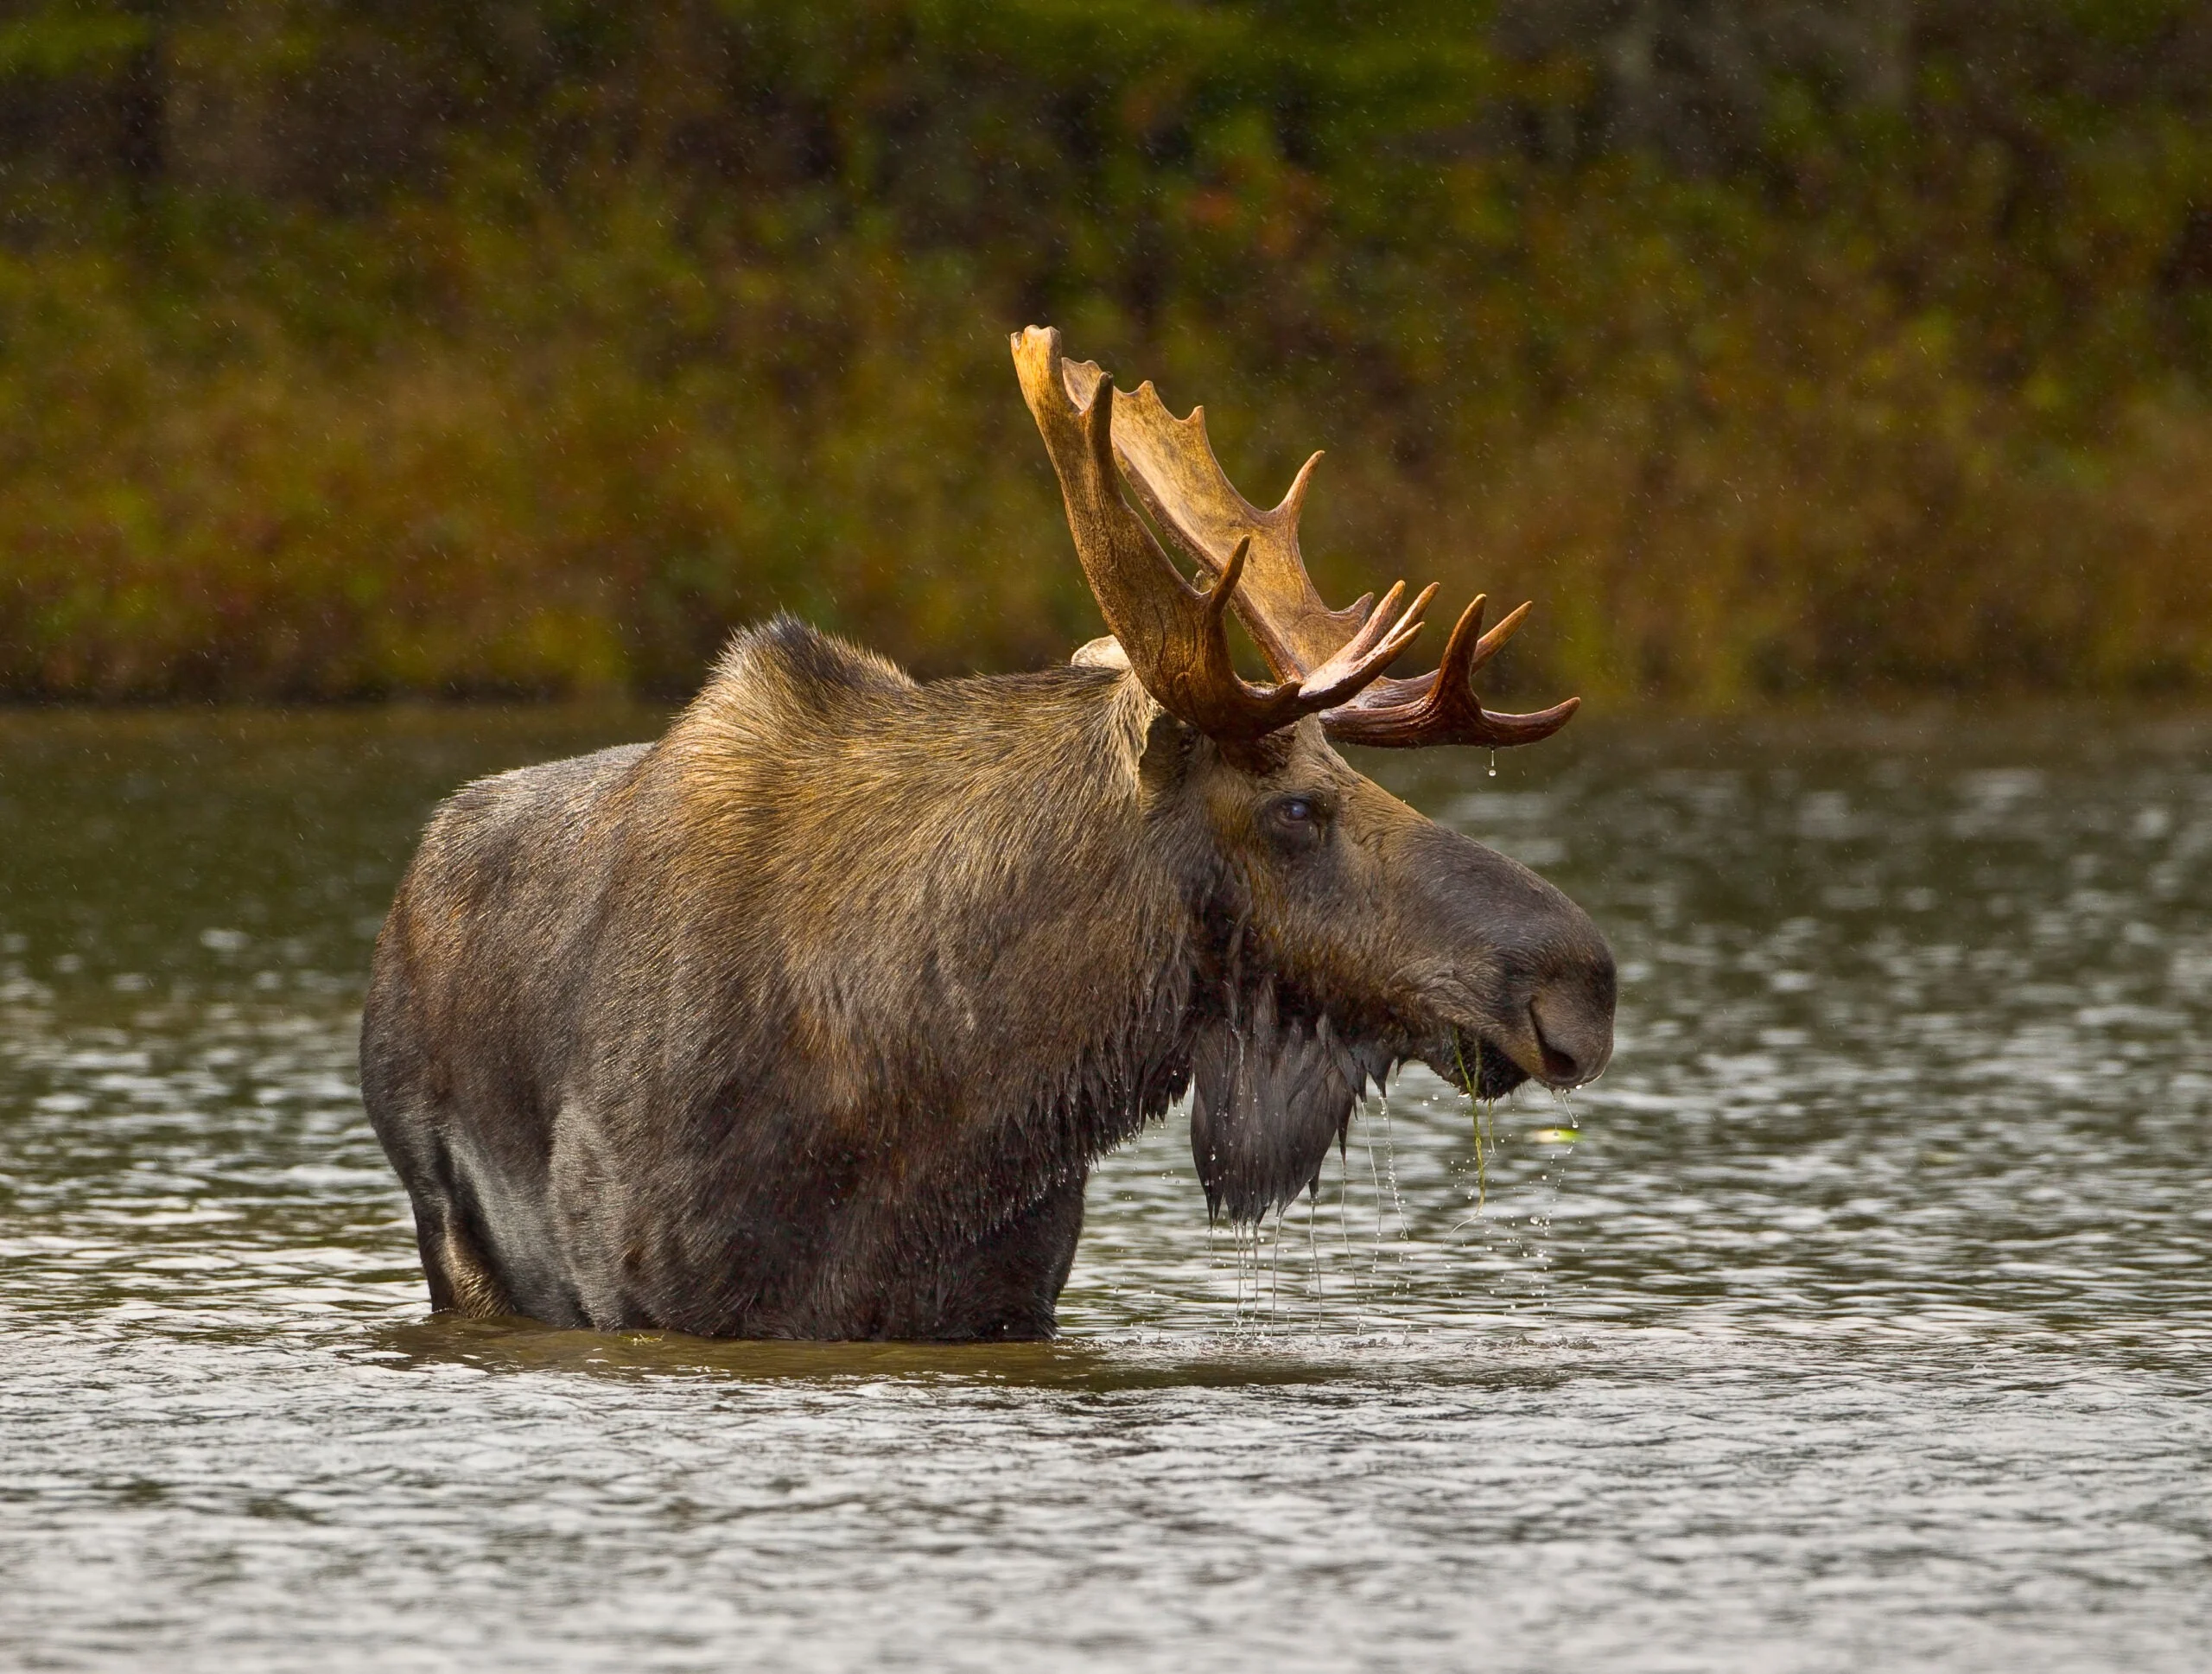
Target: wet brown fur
{"x":810,"y":1019}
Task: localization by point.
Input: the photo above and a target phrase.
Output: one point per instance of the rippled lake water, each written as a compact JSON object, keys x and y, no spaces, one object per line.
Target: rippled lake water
{"x":1867,"y":1322}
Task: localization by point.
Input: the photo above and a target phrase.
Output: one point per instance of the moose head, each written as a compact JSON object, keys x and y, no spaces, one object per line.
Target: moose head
{"x":1351,"y":932}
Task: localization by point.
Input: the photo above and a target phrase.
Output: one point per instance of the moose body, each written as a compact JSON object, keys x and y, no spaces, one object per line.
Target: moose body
{"x":810,"y":1019}
{"x":806,"y":1020}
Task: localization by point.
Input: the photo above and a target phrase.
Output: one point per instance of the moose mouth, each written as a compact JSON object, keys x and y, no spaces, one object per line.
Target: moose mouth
{"x":1561,"y":1038}
{"x":1554,"y":1044}
{"x":1472,"y":1062}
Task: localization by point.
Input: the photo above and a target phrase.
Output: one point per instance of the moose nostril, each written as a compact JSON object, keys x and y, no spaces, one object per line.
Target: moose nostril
{"x":1575,"y":1038}
{"x":1558,"y":1067}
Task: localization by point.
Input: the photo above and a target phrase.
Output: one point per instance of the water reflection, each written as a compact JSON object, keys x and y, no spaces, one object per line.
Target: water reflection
{"x":1128,"y":1363}
{"x":1863,"y":1320}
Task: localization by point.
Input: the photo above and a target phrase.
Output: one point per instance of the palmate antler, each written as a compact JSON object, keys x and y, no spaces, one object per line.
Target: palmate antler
{"x":1175,"y":636}
{"x":1260,"y":574}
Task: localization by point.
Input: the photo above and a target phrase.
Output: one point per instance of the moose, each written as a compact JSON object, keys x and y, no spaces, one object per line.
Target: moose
{"x":810,"y":1019}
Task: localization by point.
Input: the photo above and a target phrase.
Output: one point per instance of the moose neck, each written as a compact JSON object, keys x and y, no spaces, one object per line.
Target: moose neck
{"x":998,"y":918}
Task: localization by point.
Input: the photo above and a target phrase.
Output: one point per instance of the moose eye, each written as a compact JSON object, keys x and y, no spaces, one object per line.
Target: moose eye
{"x":1296,"y":820}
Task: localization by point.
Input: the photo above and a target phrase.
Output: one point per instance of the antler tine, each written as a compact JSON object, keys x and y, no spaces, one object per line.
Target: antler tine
{"x":1440,"y":706}
{"x":1175,"y":636}
{"x":1376,"y":646}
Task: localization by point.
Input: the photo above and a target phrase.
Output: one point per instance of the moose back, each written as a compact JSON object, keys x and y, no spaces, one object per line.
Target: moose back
{"x":810,"y":1019}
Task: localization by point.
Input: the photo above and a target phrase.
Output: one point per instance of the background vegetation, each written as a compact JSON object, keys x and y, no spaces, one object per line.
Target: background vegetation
{"x":351,"y":347}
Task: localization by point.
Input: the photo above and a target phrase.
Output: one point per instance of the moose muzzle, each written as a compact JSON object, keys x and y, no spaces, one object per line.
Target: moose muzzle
{"x":1518,"y":972}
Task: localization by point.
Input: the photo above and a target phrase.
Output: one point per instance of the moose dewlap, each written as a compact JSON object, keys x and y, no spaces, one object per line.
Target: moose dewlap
{"x":810,"y":1019}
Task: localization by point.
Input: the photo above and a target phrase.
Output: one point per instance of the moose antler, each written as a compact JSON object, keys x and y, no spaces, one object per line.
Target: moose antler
{"x":1174,"y":635}
{"x":1440,"y":706}
{"x":1170,"y":463}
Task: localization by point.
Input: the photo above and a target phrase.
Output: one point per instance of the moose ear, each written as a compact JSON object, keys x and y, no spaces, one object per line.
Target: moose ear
{"x":1270,"y":1095}
{"x":1166,"y":757}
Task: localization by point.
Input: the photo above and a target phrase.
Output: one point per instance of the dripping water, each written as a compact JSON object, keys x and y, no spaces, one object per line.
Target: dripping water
{"x":1313,"y":1247}
{"x":1374,"y":1177}
{"x":1281,"y":1302}
{"x":1390,"y":1172}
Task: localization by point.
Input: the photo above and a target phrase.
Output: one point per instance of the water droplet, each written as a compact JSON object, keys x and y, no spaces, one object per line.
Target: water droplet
{"x":1493,"y":764}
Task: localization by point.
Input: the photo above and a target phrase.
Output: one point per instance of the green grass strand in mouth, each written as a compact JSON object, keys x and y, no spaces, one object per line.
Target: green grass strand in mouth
{"x":1478,"y":1109}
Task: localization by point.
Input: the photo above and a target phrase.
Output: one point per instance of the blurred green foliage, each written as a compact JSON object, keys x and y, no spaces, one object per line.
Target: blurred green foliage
{"x":351,"y":347}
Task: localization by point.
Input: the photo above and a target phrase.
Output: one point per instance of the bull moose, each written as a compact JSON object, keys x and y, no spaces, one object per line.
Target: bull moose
{"x":810,"y":1019}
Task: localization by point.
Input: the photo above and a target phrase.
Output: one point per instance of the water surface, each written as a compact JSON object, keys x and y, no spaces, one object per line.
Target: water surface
{"x":1857,"y":1319}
